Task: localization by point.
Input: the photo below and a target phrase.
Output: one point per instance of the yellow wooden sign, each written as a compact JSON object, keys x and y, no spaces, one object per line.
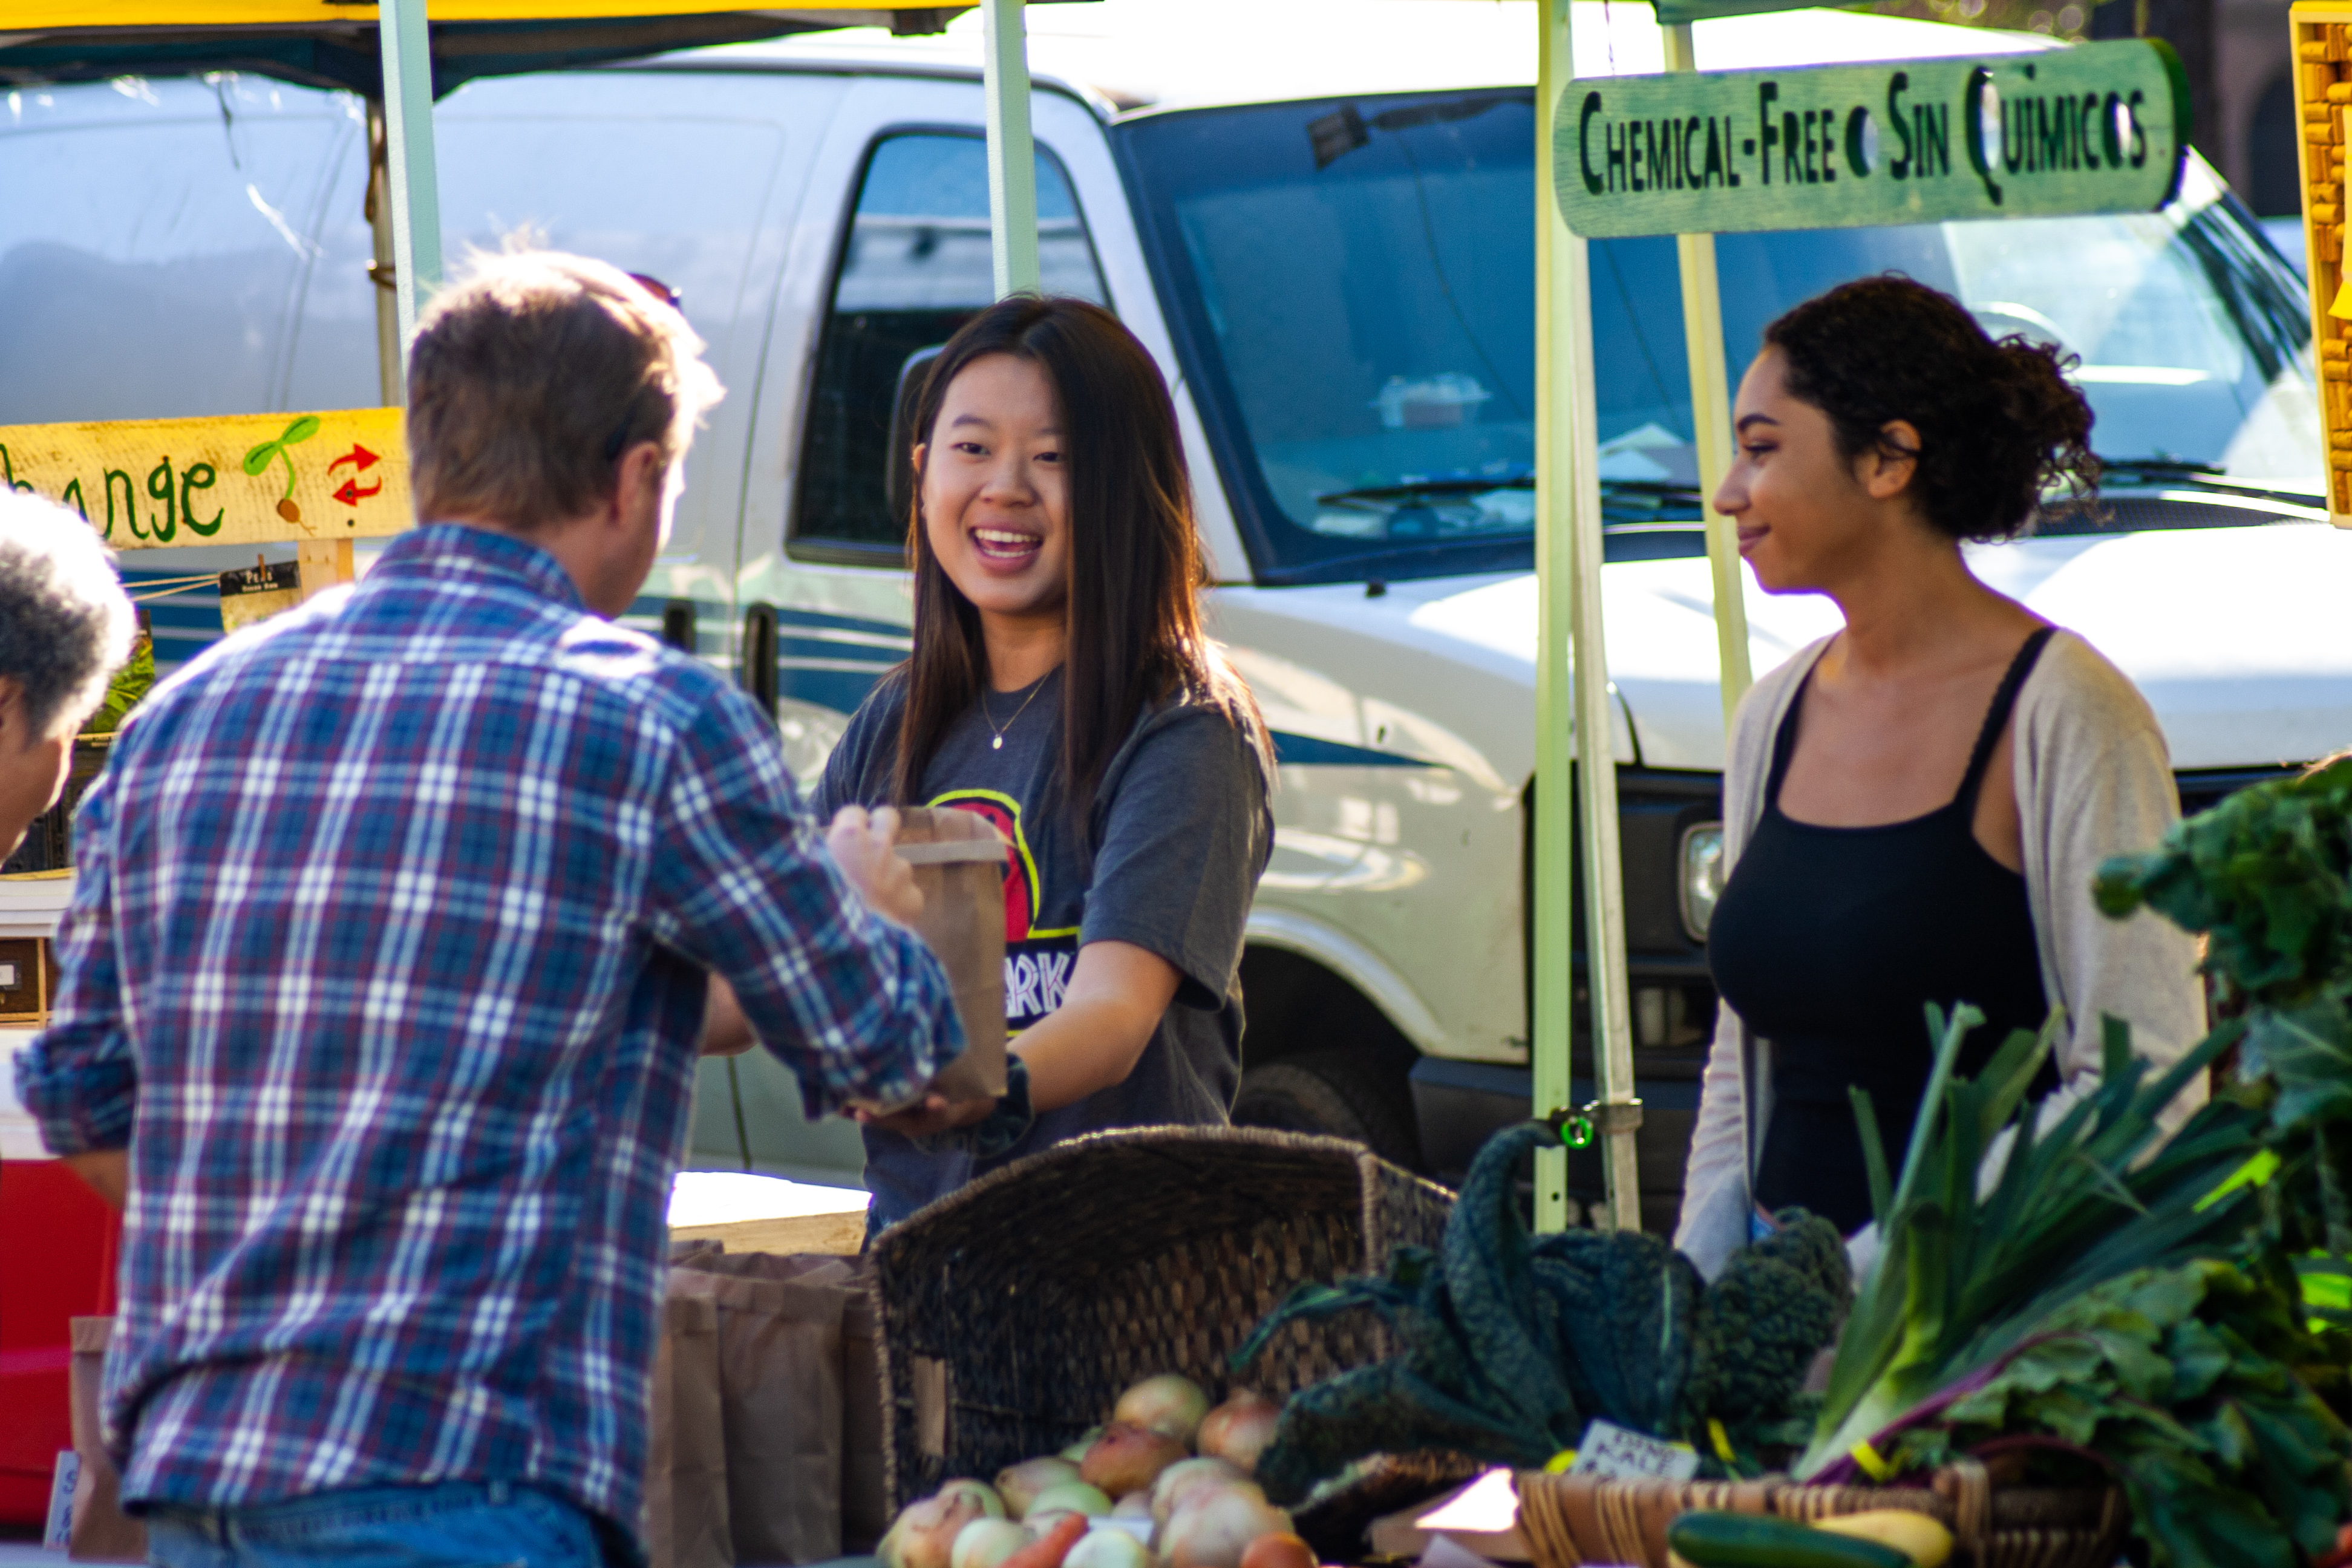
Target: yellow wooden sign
{"x":234,"y":478}
{"x":2322,"y":95}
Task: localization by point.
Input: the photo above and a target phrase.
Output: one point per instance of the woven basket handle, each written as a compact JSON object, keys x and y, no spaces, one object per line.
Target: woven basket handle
{"x":1970,"y":1488}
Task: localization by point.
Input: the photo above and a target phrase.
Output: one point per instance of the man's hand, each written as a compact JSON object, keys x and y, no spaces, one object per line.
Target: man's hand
{"x":929,"y":1116}
{"x":725,"y":1031}
{"x":108,"y":1171}
{"x":861,"y":846}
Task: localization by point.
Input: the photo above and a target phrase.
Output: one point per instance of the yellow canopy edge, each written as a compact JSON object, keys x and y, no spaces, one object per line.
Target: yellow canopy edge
{"x":41,"y":15}
{"x":229,"y":478}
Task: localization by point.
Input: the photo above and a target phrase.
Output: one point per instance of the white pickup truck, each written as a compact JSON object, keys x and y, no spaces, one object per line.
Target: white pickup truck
{"x":1320,"y":217}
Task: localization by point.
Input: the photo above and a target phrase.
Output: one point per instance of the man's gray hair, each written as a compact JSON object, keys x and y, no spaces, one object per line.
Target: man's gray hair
{"x":66,"y":625}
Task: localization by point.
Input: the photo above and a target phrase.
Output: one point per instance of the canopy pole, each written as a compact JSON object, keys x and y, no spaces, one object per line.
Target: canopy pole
{"x":1573,"y":703}
{"x":408,"y":160}
{"x":1711,"y":419}
{"x":381,"y":269}
{"x":1012,"y":151}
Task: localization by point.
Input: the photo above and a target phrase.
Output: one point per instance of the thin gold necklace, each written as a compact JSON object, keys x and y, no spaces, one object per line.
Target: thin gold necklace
{"x":997,"y":743}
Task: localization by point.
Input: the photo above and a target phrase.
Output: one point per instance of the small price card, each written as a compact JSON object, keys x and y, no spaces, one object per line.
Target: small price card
{"x":59,"y":1530}
{"x":1620,"y":1454}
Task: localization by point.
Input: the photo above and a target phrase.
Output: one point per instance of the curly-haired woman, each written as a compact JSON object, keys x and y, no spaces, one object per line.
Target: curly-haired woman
{"x":1915,"y":807}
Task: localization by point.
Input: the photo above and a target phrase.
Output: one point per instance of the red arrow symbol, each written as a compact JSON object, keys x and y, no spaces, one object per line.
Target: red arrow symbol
{"x":351,"y":495}
{"x":361,"y":458}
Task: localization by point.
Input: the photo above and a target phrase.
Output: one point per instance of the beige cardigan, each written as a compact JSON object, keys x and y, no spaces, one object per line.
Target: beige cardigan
{"x":2093,"y":779}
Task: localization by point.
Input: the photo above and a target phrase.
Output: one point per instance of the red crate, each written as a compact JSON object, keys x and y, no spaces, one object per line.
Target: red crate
{"x":57,"y":1247}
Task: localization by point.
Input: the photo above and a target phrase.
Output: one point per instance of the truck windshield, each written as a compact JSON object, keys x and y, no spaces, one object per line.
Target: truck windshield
{"x":1353,"y":288}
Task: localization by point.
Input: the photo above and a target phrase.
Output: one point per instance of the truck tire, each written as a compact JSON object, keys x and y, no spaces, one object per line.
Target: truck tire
{"x":1328,"y":1093}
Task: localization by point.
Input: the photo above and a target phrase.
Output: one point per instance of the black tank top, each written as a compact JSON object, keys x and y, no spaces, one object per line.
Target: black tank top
{"x":1829,"y":942}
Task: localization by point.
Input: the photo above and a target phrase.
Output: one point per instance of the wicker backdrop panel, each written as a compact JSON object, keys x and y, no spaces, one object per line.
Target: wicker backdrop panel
{"x":1014,"y":1313}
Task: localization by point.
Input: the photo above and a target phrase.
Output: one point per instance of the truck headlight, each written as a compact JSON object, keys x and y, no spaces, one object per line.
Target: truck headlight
{"x":1699,"y":881}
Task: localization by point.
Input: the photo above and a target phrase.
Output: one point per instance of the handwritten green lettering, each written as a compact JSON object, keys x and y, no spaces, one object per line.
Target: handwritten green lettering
{"x":129,"y":504}
{"x":161,"y":485}
{"x":189,"y":481}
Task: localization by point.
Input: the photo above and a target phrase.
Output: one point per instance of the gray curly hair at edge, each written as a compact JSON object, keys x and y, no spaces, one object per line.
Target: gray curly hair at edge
{"x":66,"y":625}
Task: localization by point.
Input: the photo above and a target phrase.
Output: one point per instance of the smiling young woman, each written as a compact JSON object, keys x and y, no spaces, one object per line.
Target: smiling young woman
{"x":1061,"y":686}
{"x":1914,"y":807}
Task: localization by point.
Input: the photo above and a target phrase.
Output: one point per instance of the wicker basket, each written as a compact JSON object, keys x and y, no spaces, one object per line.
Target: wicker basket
{"x":1014,"y":1313}
{"x":1574,"y":1520}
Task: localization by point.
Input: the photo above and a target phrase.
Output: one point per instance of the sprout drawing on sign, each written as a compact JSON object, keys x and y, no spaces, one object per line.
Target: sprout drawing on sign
{"x":302,"y":430}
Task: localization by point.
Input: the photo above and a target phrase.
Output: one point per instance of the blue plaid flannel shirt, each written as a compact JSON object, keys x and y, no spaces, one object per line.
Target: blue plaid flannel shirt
{"x":387,"y":959}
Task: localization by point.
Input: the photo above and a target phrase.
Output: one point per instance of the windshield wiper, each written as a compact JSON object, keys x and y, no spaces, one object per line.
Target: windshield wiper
{"x":1417,"y":490}
{"x":2163,"y":470}
{"x":1622,"y":502}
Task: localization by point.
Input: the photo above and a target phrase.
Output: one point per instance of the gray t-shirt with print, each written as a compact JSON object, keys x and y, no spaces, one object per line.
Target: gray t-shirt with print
{"x":1181,"y":830}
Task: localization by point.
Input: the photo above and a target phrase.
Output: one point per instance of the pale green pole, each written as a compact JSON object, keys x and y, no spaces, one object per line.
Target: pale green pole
{"x":416,"y":190}
{"x":1711,"y":416}
{"x":1572,"y":698}
{"x":1012,"y":151}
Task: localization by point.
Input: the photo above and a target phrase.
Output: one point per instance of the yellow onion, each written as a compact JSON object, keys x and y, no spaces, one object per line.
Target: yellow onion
{"x":1214,"y":1529}
{"x":986,"y":1542}
{"x":1241,"y":1427}
{"x":1179,"y":1480}
{"x":1169,"y":1405}
{"x":1108,"y":1549}
{"x":1066,"y":1497}
{"x":924,"y":1533}
{"x":1019,"y":1484}
{"x":1127,"y":1458}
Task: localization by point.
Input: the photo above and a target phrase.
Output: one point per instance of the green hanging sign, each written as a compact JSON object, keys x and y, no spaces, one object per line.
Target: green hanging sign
{"x":2089,"y":129}
{"x":1683,"y":13}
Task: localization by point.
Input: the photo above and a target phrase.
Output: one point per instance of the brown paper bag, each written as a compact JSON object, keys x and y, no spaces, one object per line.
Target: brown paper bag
{"x":959,"y":861}
{"x":864,"y":1497}
{"x":102,"y":1532}
{"x":686,"y":1467}
{"x":780,"y":1365}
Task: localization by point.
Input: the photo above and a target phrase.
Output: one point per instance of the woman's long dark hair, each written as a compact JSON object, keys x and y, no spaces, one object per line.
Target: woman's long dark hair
{"x":1136,"y":564}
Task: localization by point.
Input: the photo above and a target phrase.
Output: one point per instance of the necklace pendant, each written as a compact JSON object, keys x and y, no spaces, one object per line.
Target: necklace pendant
{"x":997,"y":743}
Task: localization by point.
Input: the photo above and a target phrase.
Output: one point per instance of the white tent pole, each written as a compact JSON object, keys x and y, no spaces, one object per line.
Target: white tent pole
{"x":408,"y":159}
{"x":1711,"y":416}
{"x":1573,"y":703}
{"x":1012,"y":153}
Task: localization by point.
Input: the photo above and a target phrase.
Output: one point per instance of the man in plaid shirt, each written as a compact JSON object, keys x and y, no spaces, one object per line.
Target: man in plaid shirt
{"x":388,"y":963}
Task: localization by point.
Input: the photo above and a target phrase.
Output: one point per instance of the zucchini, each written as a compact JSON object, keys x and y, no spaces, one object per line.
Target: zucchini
{"x":1710,"y":1539}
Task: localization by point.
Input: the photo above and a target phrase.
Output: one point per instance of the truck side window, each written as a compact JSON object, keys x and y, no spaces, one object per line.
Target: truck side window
{"x":914,"y":267}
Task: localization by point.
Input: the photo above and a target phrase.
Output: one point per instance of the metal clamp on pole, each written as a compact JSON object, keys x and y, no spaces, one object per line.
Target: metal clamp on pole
{"x":1596,"y":1118}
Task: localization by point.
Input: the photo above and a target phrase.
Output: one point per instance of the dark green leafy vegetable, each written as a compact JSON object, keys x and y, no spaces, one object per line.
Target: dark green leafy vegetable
{"x":1761,"y":1324}
{"x":1510,"y":1344}
{"x":2264,"y":876}
{"x":131,"y":683}
{"x":2156,"y":1315}
{"x":1962,"y":1277}
{"x":2180,"y":1383}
